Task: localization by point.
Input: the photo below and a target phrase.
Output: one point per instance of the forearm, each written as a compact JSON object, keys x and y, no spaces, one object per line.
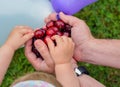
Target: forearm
{"x":66,"y":76}
{"x":102,"y":52}
{"x":6,"y":54}
{"x":87,"y":81}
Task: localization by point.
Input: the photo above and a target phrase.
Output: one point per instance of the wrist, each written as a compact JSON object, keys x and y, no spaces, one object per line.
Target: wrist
{"x":65,"y":65}
{"x":62,"y":62}
{"x":9,"y":47}
{"x":81,"y":50}
{"x":87,"y":45}
{"x":89,"y":51}
{"x":81,"y":70}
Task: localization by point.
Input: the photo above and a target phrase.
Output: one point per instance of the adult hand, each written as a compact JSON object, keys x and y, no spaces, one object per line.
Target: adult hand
{"x":46,"y":65}
{"x":80,"y":34}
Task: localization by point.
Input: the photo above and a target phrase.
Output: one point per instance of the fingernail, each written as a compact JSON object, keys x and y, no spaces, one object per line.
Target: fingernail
{"x":37,"y":43}
{"x":61,"y":13}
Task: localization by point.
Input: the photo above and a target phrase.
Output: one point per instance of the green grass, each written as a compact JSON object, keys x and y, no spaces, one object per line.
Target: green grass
{"x":103,"y":19}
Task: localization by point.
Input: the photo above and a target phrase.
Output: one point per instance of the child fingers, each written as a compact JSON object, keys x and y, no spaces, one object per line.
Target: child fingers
{"x":68,"y":41}
{"x":23,"y":29}
{"x":65,"y":38}
{"x":50,"y":44}
{"x":58,"y":39}
{"x":26,"y":30}
{"x":28,"y":36}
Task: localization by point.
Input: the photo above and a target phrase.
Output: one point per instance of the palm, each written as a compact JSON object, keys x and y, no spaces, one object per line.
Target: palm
{"x":80,"y":33}
{"x":38,"y":63}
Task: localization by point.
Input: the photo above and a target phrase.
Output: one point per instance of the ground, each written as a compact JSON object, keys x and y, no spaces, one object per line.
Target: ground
{"x":103,"y":18}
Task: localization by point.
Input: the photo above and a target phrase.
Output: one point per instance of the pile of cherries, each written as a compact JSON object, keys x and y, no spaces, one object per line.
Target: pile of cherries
{"x":52,"y":28}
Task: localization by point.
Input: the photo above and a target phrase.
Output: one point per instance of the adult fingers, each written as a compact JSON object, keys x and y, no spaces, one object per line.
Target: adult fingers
{"x":43,"y":49}
{"x":51,"y":17}
{"x":28,"y":51}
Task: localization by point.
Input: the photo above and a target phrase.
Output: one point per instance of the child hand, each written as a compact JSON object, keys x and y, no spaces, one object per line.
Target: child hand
{"x":80,"y":33}
{"x":63,"y":51}
{"x":19,"y":36}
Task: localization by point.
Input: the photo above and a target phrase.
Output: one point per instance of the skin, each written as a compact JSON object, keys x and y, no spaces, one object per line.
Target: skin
{"x":62,"y":54}
{"x":16,"y":39}
{"x":86,"y":80}
{"x":63,"y":63}
{"x":46,"y":65}
{"x":80,"y":29}
{"x":87,"y":48}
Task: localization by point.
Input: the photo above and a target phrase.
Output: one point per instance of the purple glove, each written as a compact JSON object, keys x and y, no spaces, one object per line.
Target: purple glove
{"x":70,"y":7}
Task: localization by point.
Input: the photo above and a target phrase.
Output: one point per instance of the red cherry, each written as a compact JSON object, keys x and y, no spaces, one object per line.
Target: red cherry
{"x":50,"y":32}
{"x":60,"y":24}
{"x":59,"y":33}
{"x":54,"y":28}
{"x":68,"y":27}
{"x":50,"y":24}
{"x":38,"y":34}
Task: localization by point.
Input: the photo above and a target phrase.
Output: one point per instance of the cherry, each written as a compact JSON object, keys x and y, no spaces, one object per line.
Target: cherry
{"x":50,"y":32}
{"x":68,"y":27}
{"x":54,"y":28}
{"x":50,"y":24}
{"x":39,"y":34}
{"x":60,"y":24}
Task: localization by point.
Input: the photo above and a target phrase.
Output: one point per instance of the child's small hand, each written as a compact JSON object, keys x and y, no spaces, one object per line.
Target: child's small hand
{"x":63,"y":51}
{"x":19,"y":36}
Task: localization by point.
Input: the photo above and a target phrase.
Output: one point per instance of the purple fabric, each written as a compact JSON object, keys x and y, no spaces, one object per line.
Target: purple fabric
{"x":70,"y":7}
